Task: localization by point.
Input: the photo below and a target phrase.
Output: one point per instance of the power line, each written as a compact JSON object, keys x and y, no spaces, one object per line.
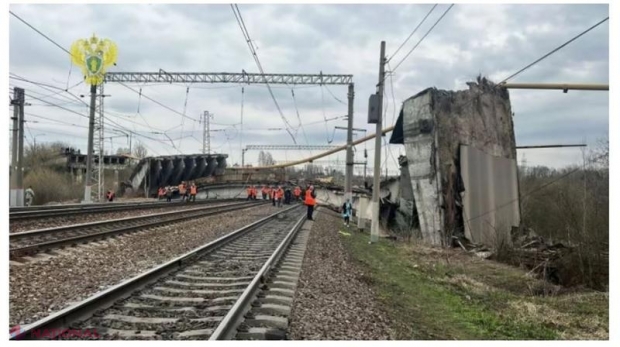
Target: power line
{"x":157,"y":102}
{"x":423,"y":37}
{"x":55,"y":120}
{"x":118,"y":126}
{"x":59,"y":46}
{"x":40,"y":33}
{"x":45,"y":86}
{"x":332,"y":94}
{"x":413,"y":32}
{"x":246,"y":35}
{"x":303,"y":130}
{"x":554,"y":50}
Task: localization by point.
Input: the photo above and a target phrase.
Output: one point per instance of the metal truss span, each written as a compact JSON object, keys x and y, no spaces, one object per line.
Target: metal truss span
{"x":227,"y":77}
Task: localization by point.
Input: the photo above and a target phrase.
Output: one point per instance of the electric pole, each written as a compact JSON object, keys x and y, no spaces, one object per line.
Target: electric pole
{"x":17,"y":195}
{"x":374,"y":228}
{"x":241,"y":130}
{"x":348,"y":178}
{"x":89,"y":154}
{"x":365,"y":163}
{"x":20,"y":152}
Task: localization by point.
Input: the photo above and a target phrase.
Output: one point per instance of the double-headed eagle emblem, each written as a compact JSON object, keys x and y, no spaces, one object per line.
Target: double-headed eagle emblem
{"x":93,"y":56}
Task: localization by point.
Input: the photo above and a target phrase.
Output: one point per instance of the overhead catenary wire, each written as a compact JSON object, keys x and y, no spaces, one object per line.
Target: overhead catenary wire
{"x":413,"y":32}
{"x":184,"y":111}
{"x":248,"y":40}
{"x":40,"y":33}
{"x":118,"y":126}
{"x":553,"y":51}
{"x":423,"y":37}
{"x":303,"y":130}
{"x":65,"y":50}
{"x":332,"y":94}
{"x":158,"y":103}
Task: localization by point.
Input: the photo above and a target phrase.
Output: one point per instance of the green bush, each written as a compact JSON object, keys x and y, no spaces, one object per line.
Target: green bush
{"x":50,"y":185}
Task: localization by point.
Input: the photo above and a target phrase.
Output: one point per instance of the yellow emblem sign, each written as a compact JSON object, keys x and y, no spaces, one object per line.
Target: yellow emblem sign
{"x":93,"y":56}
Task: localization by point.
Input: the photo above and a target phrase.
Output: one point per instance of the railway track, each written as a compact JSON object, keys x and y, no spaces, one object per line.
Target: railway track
{"x":35,"y":241}
{"x":203,"y":294}
{"x":26,"y":213}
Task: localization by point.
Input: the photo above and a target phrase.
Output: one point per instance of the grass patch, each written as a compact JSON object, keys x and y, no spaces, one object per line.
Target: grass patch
{"x":447,"y":294}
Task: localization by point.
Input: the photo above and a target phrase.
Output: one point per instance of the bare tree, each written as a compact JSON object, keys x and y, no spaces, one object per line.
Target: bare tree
{"x":140,"y":151}
{"x":261,"y":158}
{"x":265,"y":159}
{"x":121,"y":151}
{"x":269,"y":159}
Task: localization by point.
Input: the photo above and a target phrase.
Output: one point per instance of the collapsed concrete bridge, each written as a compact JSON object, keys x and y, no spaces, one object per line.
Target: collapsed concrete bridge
{"x":154,"y":172}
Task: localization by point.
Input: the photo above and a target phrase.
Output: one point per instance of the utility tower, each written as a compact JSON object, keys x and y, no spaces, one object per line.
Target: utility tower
{"x":206,"y":132}
{"x":98,"y":148}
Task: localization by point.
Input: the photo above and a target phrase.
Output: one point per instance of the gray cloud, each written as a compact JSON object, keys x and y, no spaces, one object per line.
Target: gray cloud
{"x":494,"y":40}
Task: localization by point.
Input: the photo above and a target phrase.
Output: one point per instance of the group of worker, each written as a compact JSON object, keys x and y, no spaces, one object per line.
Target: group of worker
{"x":279,"y":195}
{"x":187,"y":192}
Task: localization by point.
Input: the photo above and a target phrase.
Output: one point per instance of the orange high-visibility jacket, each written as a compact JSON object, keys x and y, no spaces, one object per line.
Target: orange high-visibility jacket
{"x":309,"y":199}
{"x":297,"y":192}
{"x":249,"y":190}
{"x":280,"y":193}
{"x":193,"y":190}
{"x":182,"y":189}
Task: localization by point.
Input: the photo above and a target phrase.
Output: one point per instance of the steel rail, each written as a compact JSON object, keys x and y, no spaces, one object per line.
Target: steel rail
{"x":61,"y":320}
{"x":73,"y":240}
{"x":226,"y":330}
{"x":99,"y":208}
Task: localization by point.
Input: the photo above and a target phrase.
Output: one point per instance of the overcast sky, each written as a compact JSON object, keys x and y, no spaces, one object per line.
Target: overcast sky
{"x":492,"y":40}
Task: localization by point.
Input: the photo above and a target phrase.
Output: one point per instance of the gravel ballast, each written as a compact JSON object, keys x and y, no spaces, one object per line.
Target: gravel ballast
{"x":51,"y":222}
{"x":332,"y":301}
{"x":39,"y":288}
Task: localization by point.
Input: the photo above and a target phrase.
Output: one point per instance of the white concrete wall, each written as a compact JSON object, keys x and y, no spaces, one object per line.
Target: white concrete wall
{"x":421,"y":165}
{"x":491,"y":197}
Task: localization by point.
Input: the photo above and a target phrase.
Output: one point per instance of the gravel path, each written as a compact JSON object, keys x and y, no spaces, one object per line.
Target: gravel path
{"x":50,"y":222}
{"x":331,"y":302}
{"x":39,"y":288}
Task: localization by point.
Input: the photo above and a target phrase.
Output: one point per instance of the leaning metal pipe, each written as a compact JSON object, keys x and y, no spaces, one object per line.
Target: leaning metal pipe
{"x":560,"y":86}
{"x":318,"y":156}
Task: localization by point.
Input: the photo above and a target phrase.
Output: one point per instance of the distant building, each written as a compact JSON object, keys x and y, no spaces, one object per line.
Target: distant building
{"x":75,"y":162}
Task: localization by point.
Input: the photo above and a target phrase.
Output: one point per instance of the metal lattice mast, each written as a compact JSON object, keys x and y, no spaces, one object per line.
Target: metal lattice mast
{"x":208,"y":120}
{"x":204,"y":132}
{"x":98,"y":146}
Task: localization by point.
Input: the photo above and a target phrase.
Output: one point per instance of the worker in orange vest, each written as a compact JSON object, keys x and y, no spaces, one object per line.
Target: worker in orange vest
{"x":253,"y":193}
{"x":264,"y":192}
{"x":182,"y":190}
{"x":273,"y":195}
{"x":268,"y":192}
{"x":160,"y":193}
{"x":279,"y":195}
{"x":297,"y":192}
{"x":109,"y":196}
{"x":249,"y":191}
{"x":193,"y":190}
{"x":310,"y":201}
